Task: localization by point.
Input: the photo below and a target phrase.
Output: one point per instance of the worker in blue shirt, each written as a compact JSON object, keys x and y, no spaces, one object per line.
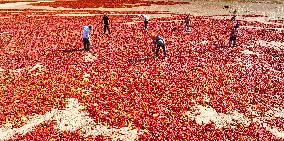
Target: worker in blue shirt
{"x":86,"y":37}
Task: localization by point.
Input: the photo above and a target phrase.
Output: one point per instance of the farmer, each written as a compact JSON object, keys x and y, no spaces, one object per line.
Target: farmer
{"x":233,"y":35}
{"x":86,"y":37}
{"x":234,"y":15}
{"x":146,"y":21}
{"x":159,"y":42}
{"x":106,"y":23}
{"x":235,"y":12}
{"x":187,"y":22}
{"x":237,"y":24}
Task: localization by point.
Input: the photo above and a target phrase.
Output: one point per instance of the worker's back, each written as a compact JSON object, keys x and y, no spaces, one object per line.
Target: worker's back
{"x":160,"y":40}
{"x":86,"y":31}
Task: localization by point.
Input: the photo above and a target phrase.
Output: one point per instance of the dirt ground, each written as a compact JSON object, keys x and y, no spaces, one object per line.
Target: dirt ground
{"x":271,"y":8}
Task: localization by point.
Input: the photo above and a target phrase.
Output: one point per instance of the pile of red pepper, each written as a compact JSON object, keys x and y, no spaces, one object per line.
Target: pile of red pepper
{"x":128,"y":83}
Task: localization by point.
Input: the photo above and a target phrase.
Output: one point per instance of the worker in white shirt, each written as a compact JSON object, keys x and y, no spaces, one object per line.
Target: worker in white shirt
{"x":146,"y":21}
{"x":159,"y":41}
{"x":86,"y":37}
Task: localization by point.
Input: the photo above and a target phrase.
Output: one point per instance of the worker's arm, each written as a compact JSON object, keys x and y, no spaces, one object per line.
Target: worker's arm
{"x":154,"y":41}
{"x":90,"y":36}
{"x":163,"y":40}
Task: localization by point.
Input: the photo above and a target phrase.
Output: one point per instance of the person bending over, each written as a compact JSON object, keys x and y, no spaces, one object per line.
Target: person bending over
{"x":159,"y":42}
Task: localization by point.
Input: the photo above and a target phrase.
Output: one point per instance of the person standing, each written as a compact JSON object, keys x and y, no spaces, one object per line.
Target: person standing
{"x":86,"y":37}
{"x":233,"y":35}
{"x":234,"y":15}
{"x":187,"y":22}
{"x":159,"y":42}
{"x":106,"y":23}
{"x":146,"y":21}
{"x":237,"y":24}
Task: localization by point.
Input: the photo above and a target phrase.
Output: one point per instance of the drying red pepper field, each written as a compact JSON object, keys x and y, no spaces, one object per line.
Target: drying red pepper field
{"x":51,"y":89}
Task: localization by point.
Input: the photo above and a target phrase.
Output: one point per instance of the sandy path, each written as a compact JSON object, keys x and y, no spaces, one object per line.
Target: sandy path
{"x":197,"y":8}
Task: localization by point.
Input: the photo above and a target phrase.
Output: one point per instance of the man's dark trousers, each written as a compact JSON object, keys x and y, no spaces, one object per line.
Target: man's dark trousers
{"x":158,"y":49}
{"x":86,"y":44}
{"x":233,"y":39}
{"x":106,"y":27}
{"x":146,"y":24}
